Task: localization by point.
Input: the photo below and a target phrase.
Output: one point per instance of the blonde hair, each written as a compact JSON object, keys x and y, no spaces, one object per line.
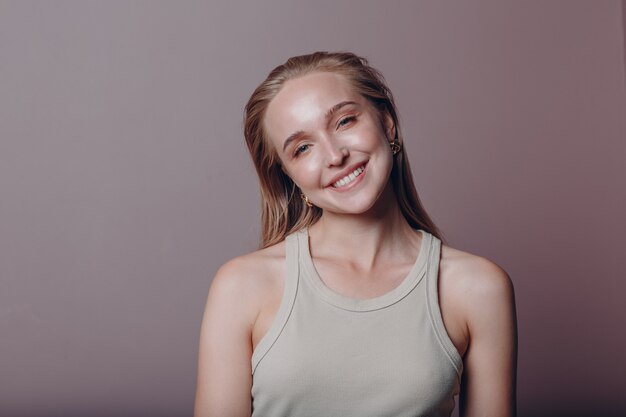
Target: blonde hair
{"x":282,"y":209}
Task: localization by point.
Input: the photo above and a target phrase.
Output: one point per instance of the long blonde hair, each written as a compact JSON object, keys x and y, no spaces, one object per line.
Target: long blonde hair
{"x":282,"y":209}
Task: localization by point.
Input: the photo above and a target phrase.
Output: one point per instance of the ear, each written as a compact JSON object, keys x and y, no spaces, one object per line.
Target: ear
{"x":389,"y":126}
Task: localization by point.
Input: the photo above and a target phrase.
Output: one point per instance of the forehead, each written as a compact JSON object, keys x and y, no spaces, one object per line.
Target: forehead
{"x":304,"y":100}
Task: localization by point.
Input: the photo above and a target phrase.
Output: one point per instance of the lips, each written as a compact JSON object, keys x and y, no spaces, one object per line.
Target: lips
{"x":345,"y":172}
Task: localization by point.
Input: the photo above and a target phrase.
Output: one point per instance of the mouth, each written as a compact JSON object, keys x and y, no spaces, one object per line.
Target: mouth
{"x":351,"y":179}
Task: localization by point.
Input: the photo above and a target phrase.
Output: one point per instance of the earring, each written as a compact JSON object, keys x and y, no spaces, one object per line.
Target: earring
{"x":395,"y":146}
{"x":306,"y":200}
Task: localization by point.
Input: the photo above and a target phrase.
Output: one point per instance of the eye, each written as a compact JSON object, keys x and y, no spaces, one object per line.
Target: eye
{"x":345,"y":121}
{"x":300,"y":149}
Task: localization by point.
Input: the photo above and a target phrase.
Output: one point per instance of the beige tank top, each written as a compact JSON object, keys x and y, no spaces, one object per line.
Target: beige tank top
{"x":328,"y":355}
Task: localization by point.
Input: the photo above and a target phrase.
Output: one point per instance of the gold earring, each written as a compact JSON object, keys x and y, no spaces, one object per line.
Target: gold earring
{"x":306,"y":200}
{"x":395,"y":146}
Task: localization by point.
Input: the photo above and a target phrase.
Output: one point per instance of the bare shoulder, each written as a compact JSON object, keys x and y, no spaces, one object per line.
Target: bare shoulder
{"x":474,"y":285}
{"x":249,"y":276}
{"x":478,"y":297}
{"x":236,"y":295}
{"x":247,"y":280}
{"x":474,"y":275}
{"x":251,"y":269}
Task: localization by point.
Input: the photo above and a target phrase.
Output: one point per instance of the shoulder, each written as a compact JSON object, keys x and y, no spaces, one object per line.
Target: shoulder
{"x":250,"y":268}
{"x":235,"y":298}
{"x":477,"y":286}
{"x":483,"y":297}
{"x":474,"y":273}
{"x":247,"y":280}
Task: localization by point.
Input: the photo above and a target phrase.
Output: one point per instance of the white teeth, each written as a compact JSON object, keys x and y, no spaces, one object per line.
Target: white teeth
{"x":349,"y":178}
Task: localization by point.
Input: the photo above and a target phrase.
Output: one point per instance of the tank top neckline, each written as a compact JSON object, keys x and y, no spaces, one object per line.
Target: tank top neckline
{"x":410,"y":281}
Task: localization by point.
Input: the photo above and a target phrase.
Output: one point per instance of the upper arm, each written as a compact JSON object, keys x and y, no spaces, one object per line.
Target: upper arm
{"x":224,"y":369}
{"x":488,"y":386}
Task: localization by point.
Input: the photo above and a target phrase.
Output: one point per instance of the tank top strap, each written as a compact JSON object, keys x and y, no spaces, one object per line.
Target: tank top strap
{"x":292,"y":274}
{"x":434,"y":311}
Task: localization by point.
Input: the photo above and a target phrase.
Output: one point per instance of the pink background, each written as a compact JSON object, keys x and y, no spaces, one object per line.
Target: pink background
{"x":125,"y":182}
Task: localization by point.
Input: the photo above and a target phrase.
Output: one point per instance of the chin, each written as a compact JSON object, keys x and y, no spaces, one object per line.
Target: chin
{"x":356,"y":207}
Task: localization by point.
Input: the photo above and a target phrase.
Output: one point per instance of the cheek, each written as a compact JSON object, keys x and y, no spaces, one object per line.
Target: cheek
{"x":369,"y":134}
{"x":309,"y":171}
{"x":306,"y":172}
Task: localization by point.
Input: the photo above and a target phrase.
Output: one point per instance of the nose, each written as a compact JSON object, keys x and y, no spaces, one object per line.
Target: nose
{"x":335,"y":154}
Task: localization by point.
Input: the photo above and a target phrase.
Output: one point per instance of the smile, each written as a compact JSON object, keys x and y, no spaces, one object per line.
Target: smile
{"x":349,"y":178}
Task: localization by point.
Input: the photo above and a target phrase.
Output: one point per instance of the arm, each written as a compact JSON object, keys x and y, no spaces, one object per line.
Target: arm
{"x":224,"y":370}
{"x":488,"y":386}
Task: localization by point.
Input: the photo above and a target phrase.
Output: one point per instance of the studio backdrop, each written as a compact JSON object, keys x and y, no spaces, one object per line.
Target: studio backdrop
{"x":125,"y":182}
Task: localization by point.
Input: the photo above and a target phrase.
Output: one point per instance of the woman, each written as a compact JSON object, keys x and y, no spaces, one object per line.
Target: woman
{"x":352,"y":306}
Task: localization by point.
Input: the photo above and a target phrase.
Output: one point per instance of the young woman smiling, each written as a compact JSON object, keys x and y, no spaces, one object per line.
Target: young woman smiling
{"x":352,"y":306}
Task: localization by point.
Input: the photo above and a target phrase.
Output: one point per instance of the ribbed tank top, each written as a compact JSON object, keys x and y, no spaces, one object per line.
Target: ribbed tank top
{"x":327,"y":355}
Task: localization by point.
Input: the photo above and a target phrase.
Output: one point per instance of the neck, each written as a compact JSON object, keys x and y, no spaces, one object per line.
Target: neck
{"x":381,"y":233}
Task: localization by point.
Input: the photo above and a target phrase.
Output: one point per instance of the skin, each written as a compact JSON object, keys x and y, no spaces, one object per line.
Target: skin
{"x":361,"y":237}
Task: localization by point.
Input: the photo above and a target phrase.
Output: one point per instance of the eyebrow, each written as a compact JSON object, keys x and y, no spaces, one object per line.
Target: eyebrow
{"x":327,"y":116}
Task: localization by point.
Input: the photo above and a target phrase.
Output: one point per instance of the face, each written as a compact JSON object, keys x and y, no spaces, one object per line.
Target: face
{"x":331,"y":141}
